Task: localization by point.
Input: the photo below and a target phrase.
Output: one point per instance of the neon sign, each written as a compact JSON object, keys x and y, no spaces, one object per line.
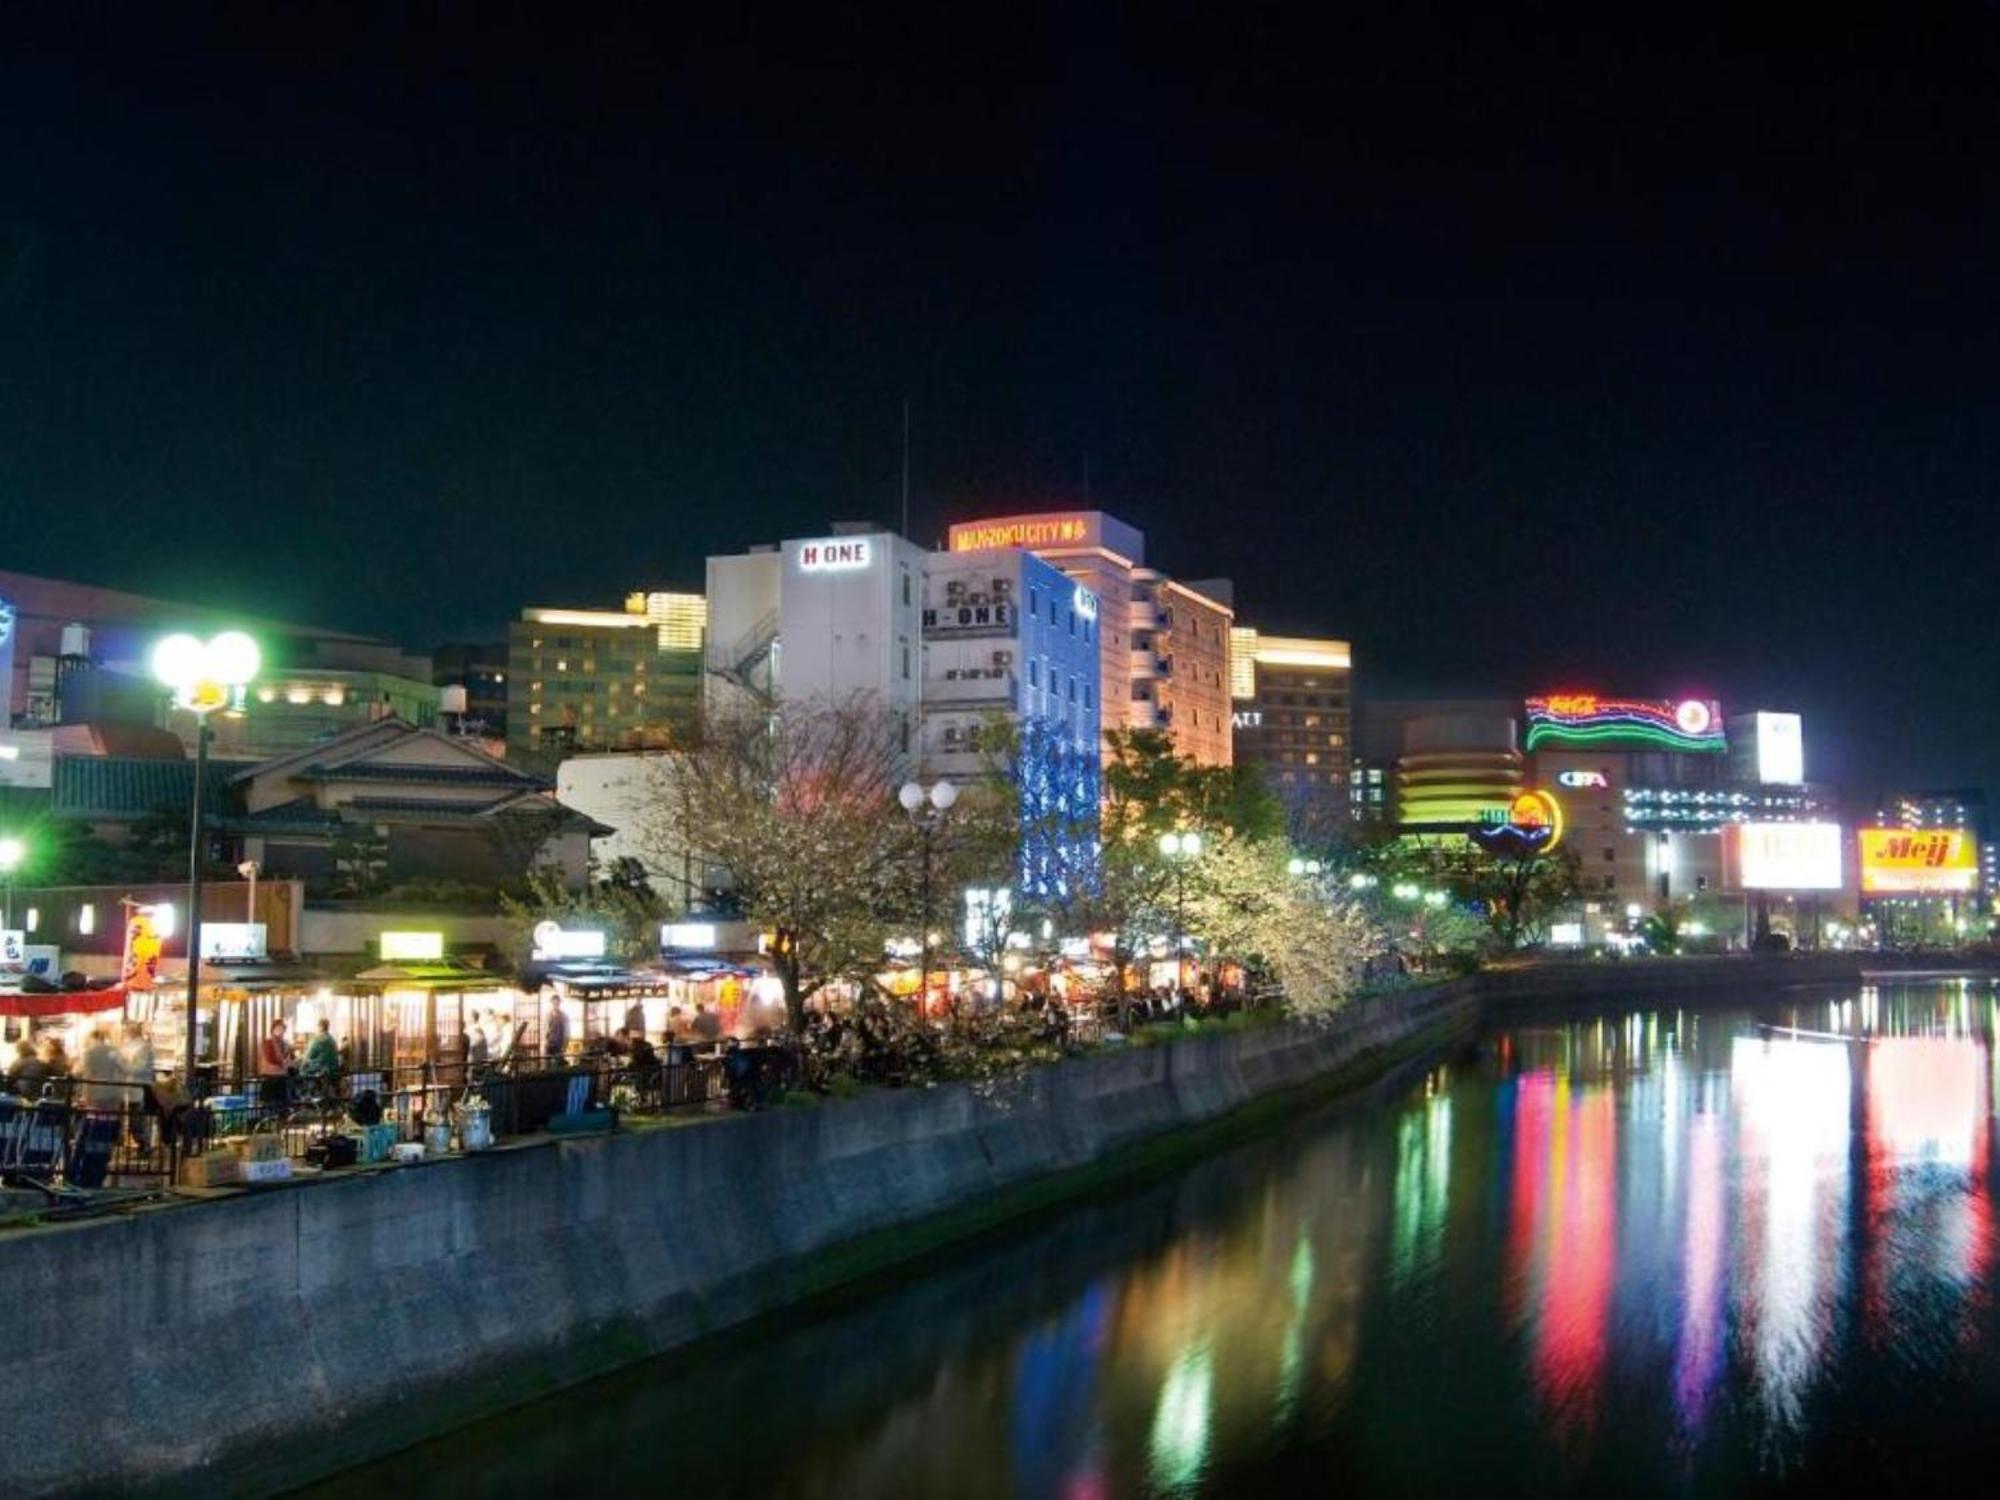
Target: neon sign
{"x":1028,"y":531}
{"x":843,"y":554}
{"x":1533,"y":825}
{"x":1586,"y":720}
{"x":1581,"y":778}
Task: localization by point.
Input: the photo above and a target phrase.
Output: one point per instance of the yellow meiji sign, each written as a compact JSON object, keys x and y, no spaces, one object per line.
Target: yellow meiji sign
{"x":1024,"y":531}
{"x":1931,"y":861}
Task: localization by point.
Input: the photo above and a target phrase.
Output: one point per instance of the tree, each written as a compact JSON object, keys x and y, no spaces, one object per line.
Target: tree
{"x":1299,"y":931}
{"x":618,"y":901}
{"x":797,"y":805}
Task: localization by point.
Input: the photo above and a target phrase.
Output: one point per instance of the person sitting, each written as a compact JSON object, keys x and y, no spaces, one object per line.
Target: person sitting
{"x":641,"y":1051}
{"x":619,"y":1044}
{"x":27,"y":1073}
{"x":555,"y":1036}
{"x":322,"y":1060}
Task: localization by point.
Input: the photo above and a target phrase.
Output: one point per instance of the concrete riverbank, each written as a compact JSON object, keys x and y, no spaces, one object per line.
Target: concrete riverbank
{"x":238,"y":1346}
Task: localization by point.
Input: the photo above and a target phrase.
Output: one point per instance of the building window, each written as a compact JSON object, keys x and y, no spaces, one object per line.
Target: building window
{"x":1609,"y":855}
{"x":906,"y":595}
{"x":1034,"y":673}
{"x":906,"y":651}
{"x":86,"y":921}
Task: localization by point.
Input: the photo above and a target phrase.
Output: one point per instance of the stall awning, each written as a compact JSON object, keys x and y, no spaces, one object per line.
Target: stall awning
{"x":602,"y":982}
{"x":440,"y":976}
{"x":38,"y":1005}
{"x":257,"y":975}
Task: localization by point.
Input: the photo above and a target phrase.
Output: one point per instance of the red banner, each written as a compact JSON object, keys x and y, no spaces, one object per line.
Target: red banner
{"x":62,"y":1002}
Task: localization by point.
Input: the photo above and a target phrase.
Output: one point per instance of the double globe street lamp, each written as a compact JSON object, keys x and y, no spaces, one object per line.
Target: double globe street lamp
{"x":204,"y":676}
{"x":926,"y":807}
{"x":1180,"y":850}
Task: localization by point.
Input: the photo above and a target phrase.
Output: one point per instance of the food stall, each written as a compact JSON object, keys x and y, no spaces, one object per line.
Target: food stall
{"x":424,"y":1008}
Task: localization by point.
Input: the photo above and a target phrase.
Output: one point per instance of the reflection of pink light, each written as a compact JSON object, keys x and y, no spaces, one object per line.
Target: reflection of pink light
{"x":1582,"y":1254}
{"x":1534,"y":1105}
{"x":1701,"y":1305}
{"x":1089,"y":1484}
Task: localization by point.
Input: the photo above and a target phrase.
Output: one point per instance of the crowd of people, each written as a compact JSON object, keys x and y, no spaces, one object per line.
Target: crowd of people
{"x":106,"y":1073}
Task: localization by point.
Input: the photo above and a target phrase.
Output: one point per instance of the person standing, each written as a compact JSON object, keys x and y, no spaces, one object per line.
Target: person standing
{"x":103,"y":1072}
{"x":274,"y":1066}
{"x":706,"y":1026}
{"x":555,"y":1035}
{"x":136,"y":1054}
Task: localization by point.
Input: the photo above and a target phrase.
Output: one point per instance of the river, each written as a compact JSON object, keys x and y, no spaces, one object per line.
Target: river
{"x":1636,"y":1249}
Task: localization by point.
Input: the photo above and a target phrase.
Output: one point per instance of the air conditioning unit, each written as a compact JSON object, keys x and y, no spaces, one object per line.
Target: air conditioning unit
{"x":950,"y":675}
{"x":951,"y":734}
{"x":1003,"y":658}
{"x":1002,"y":587}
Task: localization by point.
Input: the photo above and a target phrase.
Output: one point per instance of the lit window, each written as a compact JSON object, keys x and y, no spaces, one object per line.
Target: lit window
{"x":86,"y":920}
{"x":562,"y":665}
{"x":34,"y":919}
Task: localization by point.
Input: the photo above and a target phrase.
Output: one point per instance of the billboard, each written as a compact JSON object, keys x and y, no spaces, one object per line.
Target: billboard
{"x":1585,"y":721}
{"x":1918,"y":861}
{"x":1781,"y":749}
{"x":1781,"y":856}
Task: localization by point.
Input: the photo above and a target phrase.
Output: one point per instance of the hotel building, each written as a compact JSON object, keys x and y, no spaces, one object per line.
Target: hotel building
{"x":596,"y":679}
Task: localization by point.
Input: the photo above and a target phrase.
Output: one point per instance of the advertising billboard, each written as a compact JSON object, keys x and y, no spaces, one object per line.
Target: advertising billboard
{"x":1918,"y":861}
{"x":1781,"y":749}
{"x":1781,"y":856}
{"x":1585,"y":721}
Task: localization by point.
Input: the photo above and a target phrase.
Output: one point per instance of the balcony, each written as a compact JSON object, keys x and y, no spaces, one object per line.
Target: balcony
{"x":962,"y":688}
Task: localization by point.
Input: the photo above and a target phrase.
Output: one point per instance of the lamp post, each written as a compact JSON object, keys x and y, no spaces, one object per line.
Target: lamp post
{"x":205,"y":676}
{"x":248,"y":870}
{"x":926,"y":807}
{"x":1181,"y":850}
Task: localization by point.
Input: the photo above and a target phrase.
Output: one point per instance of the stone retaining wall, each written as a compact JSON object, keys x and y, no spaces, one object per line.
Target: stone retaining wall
{"x":240,"y":1344}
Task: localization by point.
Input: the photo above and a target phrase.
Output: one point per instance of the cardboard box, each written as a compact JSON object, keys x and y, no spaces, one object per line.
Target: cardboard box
{"x":263,"y":1147}
{"x":217,"y":1168}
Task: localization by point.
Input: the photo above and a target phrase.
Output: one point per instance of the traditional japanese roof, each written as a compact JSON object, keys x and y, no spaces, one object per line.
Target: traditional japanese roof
{"x":116,"y":786}
{"x":376,"y":770}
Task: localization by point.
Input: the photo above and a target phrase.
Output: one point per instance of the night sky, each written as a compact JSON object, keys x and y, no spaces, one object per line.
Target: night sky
{"x":1524,"y":351}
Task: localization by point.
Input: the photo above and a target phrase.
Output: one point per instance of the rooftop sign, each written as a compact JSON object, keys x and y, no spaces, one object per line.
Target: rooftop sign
{"x":1586,"y":721}
{"x":1060,"y":530}
{"x":840,"y":554}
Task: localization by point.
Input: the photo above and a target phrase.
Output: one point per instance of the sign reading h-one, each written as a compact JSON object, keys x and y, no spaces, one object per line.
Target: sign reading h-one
{"x":838,"y":555}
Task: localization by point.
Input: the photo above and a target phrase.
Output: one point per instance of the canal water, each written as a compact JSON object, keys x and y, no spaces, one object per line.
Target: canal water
{"x":1632,"y":1250}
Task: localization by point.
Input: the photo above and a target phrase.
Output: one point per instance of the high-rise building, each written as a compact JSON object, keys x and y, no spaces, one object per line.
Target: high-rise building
{"x":593,"y":679}
{"x":950,"y":644}
{"x":1294,"y":713}
{"x":1164,"y":662}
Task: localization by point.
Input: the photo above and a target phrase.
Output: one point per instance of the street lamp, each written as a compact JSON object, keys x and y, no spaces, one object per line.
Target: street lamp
{"x":1181,"y":850}
{"x":12,"y":852}
{"x":1299,"y":866}
{"x":205,"y":676}
{"x":926,"y":807}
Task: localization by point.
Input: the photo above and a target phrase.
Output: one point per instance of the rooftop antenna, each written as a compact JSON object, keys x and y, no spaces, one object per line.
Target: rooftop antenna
{"x":906,"y":466}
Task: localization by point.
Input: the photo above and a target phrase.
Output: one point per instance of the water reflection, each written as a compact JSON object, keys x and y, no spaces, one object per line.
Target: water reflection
{"x":1648,"y":1250}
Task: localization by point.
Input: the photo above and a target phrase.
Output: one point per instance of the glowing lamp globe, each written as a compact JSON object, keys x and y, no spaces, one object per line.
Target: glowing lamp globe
{"x":178,"y":661}
{"x":943,"y":795}
{"x":911,"y":796}
{"x":233,"y":658}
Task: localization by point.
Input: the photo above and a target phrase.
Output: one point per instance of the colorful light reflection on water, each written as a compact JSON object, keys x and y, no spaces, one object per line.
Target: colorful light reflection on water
{"x":1702,"y":1252}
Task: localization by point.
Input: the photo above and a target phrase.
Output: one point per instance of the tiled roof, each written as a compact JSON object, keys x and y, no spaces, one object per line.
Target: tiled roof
{"x":116,"y":786}
{"x":367,"y":770}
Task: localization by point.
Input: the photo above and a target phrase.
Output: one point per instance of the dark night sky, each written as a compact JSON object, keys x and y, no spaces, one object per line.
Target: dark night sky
{"x":1526,"y":353}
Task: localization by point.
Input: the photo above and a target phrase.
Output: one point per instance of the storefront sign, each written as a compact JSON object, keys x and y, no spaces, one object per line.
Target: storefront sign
{"x":699,"y":936}
{"x":1586,"y":720}
{"x":13,"y":949}
{"x":839,"y":555}
{"x":233,"y":940}
{"x":411,"y":947}
{"x":1581,"y":778}
{"x":1905,"y":861}
{"x":553,"y":941}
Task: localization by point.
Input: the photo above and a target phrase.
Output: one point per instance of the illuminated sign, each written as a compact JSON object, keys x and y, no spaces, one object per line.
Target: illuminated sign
{"x":1934,"y":861}
{"x":1781,"y":749}
{"x":408,"y":947}
{"x":1532,"y":824}
{"x":232,"y":940}
{"x":1024,"y":531}
{"x":553,"y":941}
{"x":1584,"y":719}
{"x":1581,"y":778}
{"x":1084,"y":602}
{"x":1248,"y":718}
{"x":13,"y":949}
{"x":840,"y":555}
{"x":698,"y":935}
{"x":1781,"y":856}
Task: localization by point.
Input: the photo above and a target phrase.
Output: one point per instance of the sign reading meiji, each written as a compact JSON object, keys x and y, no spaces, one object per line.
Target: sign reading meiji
{"x":836,"y":555}
{"x":1933,"y":861}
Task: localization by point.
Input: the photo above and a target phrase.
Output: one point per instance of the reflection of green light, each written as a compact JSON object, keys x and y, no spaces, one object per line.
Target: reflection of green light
{"x":1302,"y":1271}
{"x":1423,"y":1184}
{"x":1292,"y":1352}
{"x":1179,"y":1445}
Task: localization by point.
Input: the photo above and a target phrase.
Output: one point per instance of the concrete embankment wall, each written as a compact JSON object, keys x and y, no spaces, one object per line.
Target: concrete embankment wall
{"x":231,"y":1346}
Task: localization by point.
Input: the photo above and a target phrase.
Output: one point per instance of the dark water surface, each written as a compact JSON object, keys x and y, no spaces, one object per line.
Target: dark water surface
{"x":1633,"y":1251}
